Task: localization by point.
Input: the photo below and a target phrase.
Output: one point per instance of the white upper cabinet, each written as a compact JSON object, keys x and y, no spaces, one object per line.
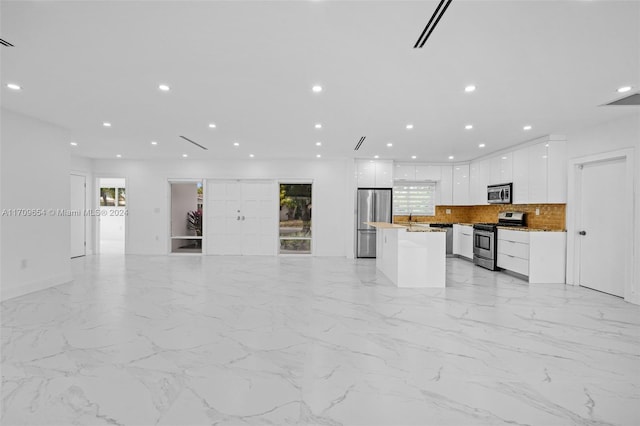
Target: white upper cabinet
{"x":537,"y":173}
{"x":374,"y":174}
{"x":432,"y":173}
{"x":461,"y":185}
{"x":384,"y":174}
{"x":444,"y":196}
{"x":366,"y":174}
{"x":501,"y":169}
{"x":404,"y":172}
{"x":557,"y":172}
{"x":521,"y":176}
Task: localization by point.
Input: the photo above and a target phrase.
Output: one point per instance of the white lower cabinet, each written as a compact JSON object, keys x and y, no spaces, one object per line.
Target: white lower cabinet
{"x":463,"y":240}
{"x":538,"y":255}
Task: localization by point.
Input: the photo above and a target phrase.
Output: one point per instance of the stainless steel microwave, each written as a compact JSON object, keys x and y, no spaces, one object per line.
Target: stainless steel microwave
{"x":499,"y":194}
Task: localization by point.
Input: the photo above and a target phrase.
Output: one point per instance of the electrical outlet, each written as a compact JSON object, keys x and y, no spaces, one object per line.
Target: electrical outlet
{"x":23,"y":264}
{"x":448,"y":211}
{"x":537,"y":212}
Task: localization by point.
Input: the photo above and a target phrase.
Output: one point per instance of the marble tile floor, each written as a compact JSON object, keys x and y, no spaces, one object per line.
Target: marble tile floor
{"x":189,"y":340}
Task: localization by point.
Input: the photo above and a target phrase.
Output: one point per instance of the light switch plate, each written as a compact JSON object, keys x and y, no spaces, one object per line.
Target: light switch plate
{"x":537,"y":212}
{"x":448,"y":211}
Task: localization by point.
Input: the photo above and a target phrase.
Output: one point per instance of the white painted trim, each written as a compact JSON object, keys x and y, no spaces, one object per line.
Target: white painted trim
{"x":626,"y":208}
{"x":9,"y":292}
{"x":96,"y":194}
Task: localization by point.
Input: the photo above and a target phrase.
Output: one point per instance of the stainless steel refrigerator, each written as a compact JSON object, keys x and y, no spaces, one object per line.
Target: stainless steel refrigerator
{"x":374,"y":205}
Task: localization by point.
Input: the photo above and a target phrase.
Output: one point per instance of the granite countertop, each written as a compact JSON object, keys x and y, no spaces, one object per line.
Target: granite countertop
{"x":527,"y":229}
{"x":410,"y":227}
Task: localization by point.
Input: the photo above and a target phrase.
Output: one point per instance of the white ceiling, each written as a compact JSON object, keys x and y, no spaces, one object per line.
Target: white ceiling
{"x":249,"y":68}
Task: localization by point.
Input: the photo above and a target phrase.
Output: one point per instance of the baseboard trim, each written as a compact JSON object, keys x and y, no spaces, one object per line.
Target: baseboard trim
{"x":26,"y":288}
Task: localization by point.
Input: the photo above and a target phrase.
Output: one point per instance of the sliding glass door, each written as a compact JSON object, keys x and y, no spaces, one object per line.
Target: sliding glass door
{"x":295,"y":218}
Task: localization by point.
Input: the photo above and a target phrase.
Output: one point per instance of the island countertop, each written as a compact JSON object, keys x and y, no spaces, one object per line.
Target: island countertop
{"x":410,"y":227}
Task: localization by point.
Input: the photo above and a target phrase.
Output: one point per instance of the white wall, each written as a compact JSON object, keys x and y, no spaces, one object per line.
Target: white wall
{"x":148,"y":195}
{"x":35,"y":164}
{"x":612,"y":136}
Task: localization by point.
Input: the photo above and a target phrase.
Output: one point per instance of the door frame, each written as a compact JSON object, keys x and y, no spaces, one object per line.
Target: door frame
{"x":96,"y":202}
{"x":84,"y":210}
{"x":626,"y":208}
{"x":203,"y":181}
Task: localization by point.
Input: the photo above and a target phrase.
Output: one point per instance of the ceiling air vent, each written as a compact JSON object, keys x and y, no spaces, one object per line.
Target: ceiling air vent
{"x":5,"y":43}
{"x":426,"y":33}
{"x":359,"y":144}
{"x":195,"y":143}
{"x":633,"y":99}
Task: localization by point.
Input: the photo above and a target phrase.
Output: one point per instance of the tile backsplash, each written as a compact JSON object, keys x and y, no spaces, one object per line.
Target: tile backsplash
{"x":552,"y":216}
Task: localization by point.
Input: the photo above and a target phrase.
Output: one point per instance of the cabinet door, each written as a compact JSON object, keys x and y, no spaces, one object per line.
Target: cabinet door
{"x":461,"y":185}
{"x":538,"y":173}
{"x":445,"y":187}
{"x":383,"y":174}
{"x":404,"y":172}
{"x":521,"y":176}
{"x":475,"y":194}
{"x":366,"y":173}
{"x":431,"y":173}
{"x":466,"y":241}
{"x":557,"y":172}
{"x":506,"y":168}
{"x":494,"y":171}
{"x":484,"y":167}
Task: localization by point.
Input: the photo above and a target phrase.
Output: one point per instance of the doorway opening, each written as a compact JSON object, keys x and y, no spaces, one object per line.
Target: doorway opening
{"x":295,"y":218}
{"x":186,"y":216}
{"x":113,"y":213}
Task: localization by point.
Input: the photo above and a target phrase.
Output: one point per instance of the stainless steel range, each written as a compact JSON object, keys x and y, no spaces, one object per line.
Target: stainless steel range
{"x":485,"y":238}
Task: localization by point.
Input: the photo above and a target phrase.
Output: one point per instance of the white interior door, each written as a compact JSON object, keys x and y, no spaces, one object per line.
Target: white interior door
{"x":602,"y":257}
{"x":223,"y":216}
{"x":242,"y":218}
{"x":78,"y":224}
{"x":259,"y":218}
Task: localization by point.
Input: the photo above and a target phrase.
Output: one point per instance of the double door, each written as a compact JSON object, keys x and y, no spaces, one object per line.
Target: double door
{"x":242,"y":217}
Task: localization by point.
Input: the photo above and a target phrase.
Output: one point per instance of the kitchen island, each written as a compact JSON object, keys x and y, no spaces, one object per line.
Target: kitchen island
{"x":411,"y":255}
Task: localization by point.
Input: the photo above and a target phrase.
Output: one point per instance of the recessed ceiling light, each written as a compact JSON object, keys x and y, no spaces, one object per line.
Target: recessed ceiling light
{"x":389,"y":145}
{"x":504,"y":158}
{"x":469,"y":126}
{"x":527,"y":127}
{"x":251,"y":155}
{"x":14,"y":86}
{"x":318,"y":155}
{"x":451,"y":157}
{"x":318,"y":126}
{"x":481,"y":145}
{"x":73,"y":143}
{"x":118,"y":156}
{"x":236,"y":144}
{"x":546,"y":144}
{"x":212,"y":125}
{"x":624,"y":89}
{"x":413,"y":157}
{"x":184,"y":155}
{"x":316,"y":89}
{"x":164,"y":87}
{"x":409,"y":126}
{"x":470,"y":88}
{"x":106,"y":124}
{"x":318,"y":143}
{"x":376,"y":156}
{"x":154,"y":143}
